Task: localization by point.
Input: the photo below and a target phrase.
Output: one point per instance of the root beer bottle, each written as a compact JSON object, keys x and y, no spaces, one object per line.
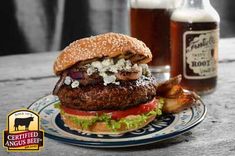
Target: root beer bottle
{"x":194,"y":36}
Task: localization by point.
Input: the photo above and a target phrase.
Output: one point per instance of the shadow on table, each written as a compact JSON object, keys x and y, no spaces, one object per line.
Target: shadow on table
{"x":186,"y":137}
{"x":162,"y":144}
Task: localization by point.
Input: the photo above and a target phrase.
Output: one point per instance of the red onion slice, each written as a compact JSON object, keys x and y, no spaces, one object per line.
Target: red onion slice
{"x":59,"y":83}
{"x":76,"y":75}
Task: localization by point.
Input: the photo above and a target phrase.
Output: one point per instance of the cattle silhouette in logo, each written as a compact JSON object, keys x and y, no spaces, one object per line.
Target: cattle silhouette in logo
{"x":22,"y":122}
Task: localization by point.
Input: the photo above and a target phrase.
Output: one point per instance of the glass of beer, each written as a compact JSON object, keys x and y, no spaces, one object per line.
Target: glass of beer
{"x":150,"y":22}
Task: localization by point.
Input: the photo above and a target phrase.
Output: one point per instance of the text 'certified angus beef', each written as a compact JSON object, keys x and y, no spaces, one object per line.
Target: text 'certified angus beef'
{"x":106,"y":87}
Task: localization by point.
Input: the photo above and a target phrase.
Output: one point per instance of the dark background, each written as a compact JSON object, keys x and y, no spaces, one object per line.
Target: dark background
{"x":30,"y":26}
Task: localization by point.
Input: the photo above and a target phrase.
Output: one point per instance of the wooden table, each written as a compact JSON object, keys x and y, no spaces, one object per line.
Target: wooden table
{"x":24,"y":78}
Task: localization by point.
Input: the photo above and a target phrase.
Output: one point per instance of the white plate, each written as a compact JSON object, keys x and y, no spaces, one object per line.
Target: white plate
{"x":167,"y":126}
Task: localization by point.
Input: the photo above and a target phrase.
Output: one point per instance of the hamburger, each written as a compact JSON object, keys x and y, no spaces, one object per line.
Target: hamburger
{"x":105,"y":85}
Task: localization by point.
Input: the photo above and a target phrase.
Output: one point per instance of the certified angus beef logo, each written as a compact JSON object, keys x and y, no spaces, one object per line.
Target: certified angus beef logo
{"x":23,"y":133}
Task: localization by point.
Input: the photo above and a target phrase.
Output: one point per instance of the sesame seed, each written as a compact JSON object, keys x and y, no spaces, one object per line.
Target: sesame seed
{"x":109,"y":44}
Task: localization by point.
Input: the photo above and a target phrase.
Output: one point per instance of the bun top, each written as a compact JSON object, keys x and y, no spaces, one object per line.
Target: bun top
{"x":104,"y":45}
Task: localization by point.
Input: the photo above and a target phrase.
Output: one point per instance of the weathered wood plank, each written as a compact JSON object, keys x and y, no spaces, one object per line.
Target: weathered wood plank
{"x":27,"y":66}
{"x":25,"y":78}
{"x":227,"y":49}
{"x":214,"y":136}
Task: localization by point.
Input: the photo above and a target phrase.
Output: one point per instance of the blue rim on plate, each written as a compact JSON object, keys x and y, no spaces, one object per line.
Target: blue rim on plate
{"x":160,"y":129}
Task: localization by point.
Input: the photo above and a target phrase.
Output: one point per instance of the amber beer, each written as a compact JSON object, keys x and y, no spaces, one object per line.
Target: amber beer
{"x":151,"y":25}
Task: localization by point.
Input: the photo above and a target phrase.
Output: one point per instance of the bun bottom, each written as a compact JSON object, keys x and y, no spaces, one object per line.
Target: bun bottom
{"x":101,"y":127}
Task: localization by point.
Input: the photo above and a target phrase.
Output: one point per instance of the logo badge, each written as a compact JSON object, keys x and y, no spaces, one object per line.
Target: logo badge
{"x":23,"y":133}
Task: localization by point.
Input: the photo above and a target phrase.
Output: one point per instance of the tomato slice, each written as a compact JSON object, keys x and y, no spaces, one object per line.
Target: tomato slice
{"x":143,"y":108}
{"x":140,"y":109}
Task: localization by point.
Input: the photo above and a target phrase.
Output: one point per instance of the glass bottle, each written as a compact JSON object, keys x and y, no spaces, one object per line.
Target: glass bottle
{"x":194,"y":36}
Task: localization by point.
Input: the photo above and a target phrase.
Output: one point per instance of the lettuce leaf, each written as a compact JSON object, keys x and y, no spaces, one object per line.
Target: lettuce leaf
{"x":115,"y":125}
{"x":57,"y":105}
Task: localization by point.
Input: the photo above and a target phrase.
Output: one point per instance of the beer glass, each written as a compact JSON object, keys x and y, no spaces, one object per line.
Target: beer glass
{"x":150,"y":22}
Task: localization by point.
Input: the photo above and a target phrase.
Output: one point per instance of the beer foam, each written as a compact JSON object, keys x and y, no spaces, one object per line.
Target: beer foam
{"x":195,"y":15}
{"x":152,"y":4}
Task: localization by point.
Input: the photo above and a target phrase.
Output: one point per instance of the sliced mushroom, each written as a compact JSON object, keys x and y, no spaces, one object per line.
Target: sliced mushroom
{"x":133,"y":74}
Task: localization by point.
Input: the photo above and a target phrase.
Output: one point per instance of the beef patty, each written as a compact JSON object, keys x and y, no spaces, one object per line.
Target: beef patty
{"x":110,"y":97}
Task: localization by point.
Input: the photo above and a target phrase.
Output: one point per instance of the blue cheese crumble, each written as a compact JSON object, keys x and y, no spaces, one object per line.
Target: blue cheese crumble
{"x":75,"y":84}
{"x":107,"y":69}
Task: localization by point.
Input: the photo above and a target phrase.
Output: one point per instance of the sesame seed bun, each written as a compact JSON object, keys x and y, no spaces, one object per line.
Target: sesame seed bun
{"x":101,"y":127}
{"x":104,"y":45}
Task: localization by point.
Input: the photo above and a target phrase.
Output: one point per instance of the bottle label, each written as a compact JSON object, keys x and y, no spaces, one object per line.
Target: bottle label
{"x":200,"y":49}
